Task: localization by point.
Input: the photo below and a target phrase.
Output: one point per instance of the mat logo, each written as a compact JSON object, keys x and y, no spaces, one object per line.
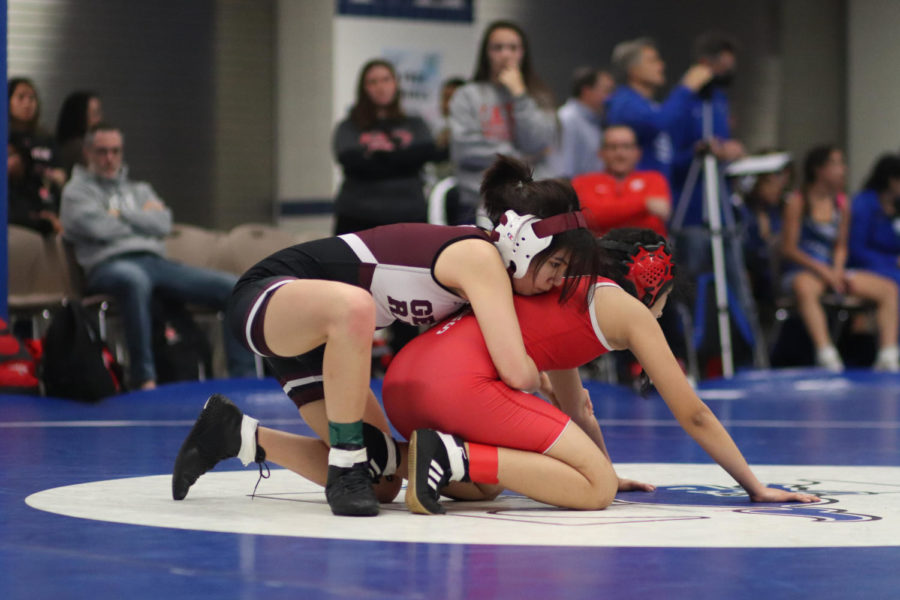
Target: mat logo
{"x":735,"y":499}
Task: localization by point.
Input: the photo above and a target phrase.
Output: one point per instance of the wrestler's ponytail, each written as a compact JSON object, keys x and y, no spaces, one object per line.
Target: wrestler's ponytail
{"x":508,"y":185}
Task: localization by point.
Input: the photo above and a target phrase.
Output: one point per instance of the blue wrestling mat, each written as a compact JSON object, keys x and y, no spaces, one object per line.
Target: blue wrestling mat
{"x":86,"y":511}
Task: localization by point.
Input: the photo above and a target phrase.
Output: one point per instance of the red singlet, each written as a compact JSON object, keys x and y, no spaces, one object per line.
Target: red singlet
{"x":444,"y":379}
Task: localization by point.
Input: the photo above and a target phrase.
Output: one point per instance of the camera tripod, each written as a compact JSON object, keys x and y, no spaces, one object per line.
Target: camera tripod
{"x":719,"y":221}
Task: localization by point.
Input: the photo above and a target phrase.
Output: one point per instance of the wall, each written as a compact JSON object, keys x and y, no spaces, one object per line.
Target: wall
{"x":873,"y":89}
{"x":187,"y":81}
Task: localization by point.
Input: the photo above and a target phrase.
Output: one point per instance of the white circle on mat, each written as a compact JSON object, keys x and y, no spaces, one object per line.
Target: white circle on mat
{"x":696,"y":505}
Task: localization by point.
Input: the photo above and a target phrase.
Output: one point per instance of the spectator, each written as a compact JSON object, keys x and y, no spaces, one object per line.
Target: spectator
{"x":579,"y":123}
{"x":442,"y":132}
{"x":816,"y":225}
{"x":382,"y":151}
{"x":27,"y":206}
{"x":763,"y":204}
{"x":117,"y":227}
{"x":641,"y":73}
{"x":80,"y":111}
{"x":43,"y":170}
{"x":717,"y":52}
{"x":620,"y":196}
{"x":875,"y":221}
{"x":505,"y":109}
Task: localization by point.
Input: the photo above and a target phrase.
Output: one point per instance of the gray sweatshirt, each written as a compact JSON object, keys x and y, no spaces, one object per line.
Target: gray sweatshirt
{"x":97,"y":233}
{"x":486,"y":120}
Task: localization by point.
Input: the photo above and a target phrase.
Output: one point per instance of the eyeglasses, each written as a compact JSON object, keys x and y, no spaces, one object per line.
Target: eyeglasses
{"x":111,"y":150}
{"x":624,"y":146}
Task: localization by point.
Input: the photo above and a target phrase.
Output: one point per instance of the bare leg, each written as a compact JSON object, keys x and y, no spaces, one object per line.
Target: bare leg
{"x":883,"y":292}
{"x":574,"y":473}
{"x":343,"y":317}
{"x":809,"y":289}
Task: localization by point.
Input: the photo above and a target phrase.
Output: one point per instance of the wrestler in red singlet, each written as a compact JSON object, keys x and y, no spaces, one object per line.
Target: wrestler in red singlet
{"x":445,"y":380}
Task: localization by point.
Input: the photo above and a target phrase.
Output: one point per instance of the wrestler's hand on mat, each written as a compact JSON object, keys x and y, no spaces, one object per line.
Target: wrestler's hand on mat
{"x":776,"y":495}
{"x":630,"y":485}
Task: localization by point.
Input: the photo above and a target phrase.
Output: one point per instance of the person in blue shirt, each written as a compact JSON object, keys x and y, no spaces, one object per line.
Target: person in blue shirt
{"x":580,"y":122}
{"x":641,"y":72}
{"x":875,"y":220}
{"x":717,"y":51}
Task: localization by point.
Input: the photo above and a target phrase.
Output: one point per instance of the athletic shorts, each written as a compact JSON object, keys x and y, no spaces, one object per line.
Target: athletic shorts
{"x":299,"y":376}
{"x":445,"y":380}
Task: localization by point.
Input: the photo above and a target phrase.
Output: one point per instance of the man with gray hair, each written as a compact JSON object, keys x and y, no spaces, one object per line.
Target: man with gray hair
{"x":641,"y":73}
{"x":117,"y":227}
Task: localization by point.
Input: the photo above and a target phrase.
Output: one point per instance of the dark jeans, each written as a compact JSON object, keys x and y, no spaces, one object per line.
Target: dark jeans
{"x":132,"y":279}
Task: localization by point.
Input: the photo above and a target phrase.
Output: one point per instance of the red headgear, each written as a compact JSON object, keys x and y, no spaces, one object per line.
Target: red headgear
{"x":650,"y":267}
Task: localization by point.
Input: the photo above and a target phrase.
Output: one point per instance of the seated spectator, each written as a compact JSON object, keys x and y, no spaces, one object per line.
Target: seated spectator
{"x":620,"y":196}
{"x":579,"y":123}
{"x":382,"y":151}
{"x":505,"y":109}
{"x":875,"y":221}
{"x":117,"y":227}
{"x":80,"y":111}
{"x":641,"y":74}
{"x":43,"y":170}
{"x":763,"y":204}
{"x":27,"y":206}
{"x":814,"y":244}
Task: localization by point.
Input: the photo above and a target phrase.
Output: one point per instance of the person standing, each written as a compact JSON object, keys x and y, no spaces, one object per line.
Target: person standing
{"x":381,"y":150}
{"x":641,"y":73}
{"x":505,"y":109}
{"x":579,"y":123}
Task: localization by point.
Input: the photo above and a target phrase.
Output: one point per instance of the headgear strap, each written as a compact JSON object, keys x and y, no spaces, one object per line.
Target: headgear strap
{"x":650,"y":267}
{"x":520,"y":238}
{"x":559,"y":223}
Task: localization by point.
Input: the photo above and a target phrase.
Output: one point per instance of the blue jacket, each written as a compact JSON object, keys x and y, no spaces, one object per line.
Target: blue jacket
{"x":652,"y":123}
{"x":874,"y":239}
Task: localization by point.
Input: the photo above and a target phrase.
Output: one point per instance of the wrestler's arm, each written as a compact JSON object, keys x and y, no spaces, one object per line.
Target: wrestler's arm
{"x":474,"y":269}
{"x":626,"y":322}
{"x":570,"y":396}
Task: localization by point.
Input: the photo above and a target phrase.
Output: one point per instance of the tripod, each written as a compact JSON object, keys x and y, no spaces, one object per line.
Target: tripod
{"x":715,"y":212}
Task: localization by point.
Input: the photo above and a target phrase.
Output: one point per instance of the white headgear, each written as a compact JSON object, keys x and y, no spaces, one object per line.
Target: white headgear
{"x":520,"y":238}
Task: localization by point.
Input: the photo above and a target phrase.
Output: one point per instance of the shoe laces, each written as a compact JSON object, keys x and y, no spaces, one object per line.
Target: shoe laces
{"x":268,"y":474}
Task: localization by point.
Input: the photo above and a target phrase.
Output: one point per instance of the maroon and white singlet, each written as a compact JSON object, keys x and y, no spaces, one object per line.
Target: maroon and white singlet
{"x":395,"y":263}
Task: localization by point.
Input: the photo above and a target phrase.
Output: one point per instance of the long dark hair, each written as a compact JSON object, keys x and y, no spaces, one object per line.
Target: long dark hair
{"x":535,"y":86}
{"x":72,"y":121}
{"x":508,"y":185}
{"x":11,"y":86}
{"x":363,"y":114}
{"x":887,"y":167}
{"x":815,"y":159}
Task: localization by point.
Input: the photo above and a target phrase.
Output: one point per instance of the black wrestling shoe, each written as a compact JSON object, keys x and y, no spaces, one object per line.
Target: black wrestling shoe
{"x":430,"y":471}
{"x":349,"y":491}
{"x":221,"y":431}
{"x":382,"y":451}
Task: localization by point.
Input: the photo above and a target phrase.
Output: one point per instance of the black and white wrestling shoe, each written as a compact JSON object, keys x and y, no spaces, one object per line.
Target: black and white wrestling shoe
{"x":435,"y":459}
{"x":221,"y":431}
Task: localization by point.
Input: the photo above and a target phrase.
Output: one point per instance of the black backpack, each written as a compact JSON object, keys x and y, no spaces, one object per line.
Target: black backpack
{"x":76,"y":363}
{"x":181,"y":350}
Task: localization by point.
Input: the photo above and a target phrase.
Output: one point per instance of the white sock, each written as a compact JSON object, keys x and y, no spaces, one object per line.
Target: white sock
{"x":247,"y":453}
{"x":345,"y":459}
